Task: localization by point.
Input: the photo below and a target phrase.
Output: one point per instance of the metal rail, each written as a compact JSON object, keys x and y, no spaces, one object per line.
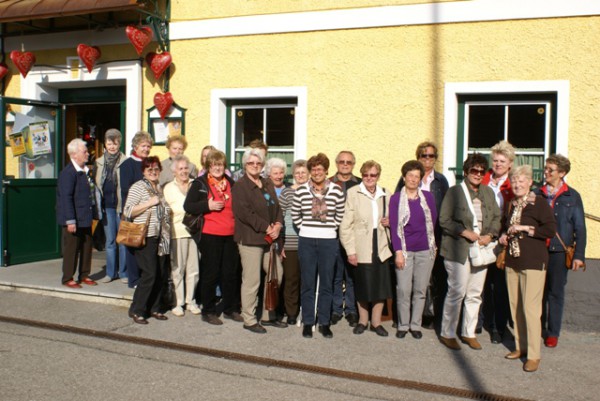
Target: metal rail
{"x":268,"y":362}
{"x":592,"y":217}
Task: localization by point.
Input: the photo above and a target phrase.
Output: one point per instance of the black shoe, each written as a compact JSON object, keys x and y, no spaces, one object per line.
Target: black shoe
{"x":478,"y":330}
{"x":352,"y":319}
{"x":292,"y":320}
{"x":159,"y":316}
{"x":380,"y":330}
{"x":274,"y":323}
{"x":401,"y":333}
{"x":496,"y":337}
{"x":416,"y":334}
{"x":335,"y":317}
{"x":359,"y":329}
{"x":394,"y":325}
{"x":256,"y":328}
{"x":235,"y":316}
{"x":326,"y":331}
{"x":139,"y":319}
{"x":212,"y":319}
{"x":307,"y":331}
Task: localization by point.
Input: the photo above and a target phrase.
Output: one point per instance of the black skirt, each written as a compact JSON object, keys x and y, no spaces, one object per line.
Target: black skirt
{"x":372,"y":281}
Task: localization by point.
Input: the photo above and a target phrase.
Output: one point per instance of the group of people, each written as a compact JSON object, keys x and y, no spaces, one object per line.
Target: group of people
{"x":338,"y":245}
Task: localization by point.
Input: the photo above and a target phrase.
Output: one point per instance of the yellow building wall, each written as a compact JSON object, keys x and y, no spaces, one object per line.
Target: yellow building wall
{"x":379,"y":92}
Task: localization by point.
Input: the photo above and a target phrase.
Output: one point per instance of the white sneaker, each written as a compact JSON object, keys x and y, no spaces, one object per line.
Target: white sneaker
{"x":194,"y":309}
{"x":106,"y":279}
{"x":178,"y":311}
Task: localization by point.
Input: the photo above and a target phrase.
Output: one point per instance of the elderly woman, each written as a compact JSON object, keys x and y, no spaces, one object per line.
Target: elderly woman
{"x":130,"y":172}
{"x":107,"y":182}
{"x":184,"y":252}
{"x":413,"y":217}
{"x":363,"y":235}
{"x":146,"y":204}
{"x":258,"y":221}
{"x":211,"y":197}
{"x":495,"y":309}
{"x":176,"y":145}
{"x":291,"y":268}
{"x":317,"y":211}
{"x":570,"y":219}
{"x":469,"y":217}
{"x":528,"y":223}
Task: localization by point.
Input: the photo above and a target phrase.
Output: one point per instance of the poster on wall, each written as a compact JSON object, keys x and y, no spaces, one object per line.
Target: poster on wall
{"x":17,"y":144}
{"x":165,"y":128}
{"x":37,"y":136}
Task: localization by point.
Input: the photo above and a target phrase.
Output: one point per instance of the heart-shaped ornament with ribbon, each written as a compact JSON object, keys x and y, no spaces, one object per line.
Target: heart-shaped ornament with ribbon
{"x":139,"y":37}
{"x":163,"y":102}
{"x":23,"y":61}
{"x":159,"y":62}
{"x":3,"y":70}
{"x":89,"y":55}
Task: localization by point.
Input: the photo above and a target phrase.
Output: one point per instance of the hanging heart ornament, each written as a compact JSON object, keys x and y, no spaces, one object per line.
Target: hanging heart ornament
{"x":159,"y":62}
{"x":89,"y":55}
{"x":139,"y":37}
{"x":23,"y":61}
{"x":163,"y":102}
{"x":3,"y":70}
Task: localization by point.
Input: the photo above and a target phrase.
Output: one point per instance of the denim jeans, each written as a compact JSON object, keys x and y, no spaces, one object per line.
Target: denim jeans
{"x":317,"y":257}
{"x":554,"y":294}
{"x":343,"y":300}
{"x":114,"y":253}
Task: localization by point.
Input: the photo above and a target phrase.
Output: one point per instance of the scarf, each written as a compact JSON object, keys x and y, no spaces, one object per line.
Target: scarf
{"x":319,"y":205}
{"x":136,"y":155}
{"x":219,"y":185}
{"x":404,"y":218}
{"x":164,"y":241}
{"x":515,"y":218}
{"x":110,"y":161}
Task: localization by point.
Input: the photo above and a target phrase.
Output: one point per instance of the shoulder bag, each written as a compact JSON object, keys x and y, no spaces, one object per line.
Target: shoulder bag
{"x":272,"y":285}
{"x":132,"y":234}
{"x":569,"y":252}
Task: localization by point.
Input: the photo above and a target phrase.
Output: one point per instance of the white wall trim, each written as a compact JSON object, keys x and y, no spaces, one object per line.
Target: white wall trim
{"x":43,"y":83}
{"x":386,"y":16}
{"x":218,"y":108}
{"x":66,"y":40}
{"x":453,"y":90}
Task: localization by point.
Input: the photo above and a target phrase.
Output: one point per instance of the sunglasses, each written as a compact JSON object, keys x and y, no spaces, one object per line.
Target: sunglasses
{"x":476,"y":171}
{"x":370,"y":175}
{"x":346,"y":162}
{"x":428,"y":156}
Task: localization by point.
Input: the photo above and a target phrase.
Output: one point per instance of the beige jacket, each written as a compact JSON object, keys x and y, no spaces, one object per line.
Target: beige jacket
{"x":356,"y":230}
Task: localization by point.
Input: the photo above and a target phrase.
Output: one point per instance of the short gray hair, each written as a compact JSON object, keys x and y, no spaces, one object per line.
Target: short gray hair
{"x":275,"y":162}
{"x":297,"y":164}
{"x":252,"y":152}
{"x":114,"y":135}
{"x":177,"y":159}
{"x":139,"y":137}
{"x":524,"y":170}
{"x":74,"y":146}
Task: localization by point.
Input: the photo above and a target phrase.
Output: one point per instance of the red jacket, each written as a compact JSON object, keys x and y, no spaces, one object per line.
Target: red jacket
{"x":505,"y":188}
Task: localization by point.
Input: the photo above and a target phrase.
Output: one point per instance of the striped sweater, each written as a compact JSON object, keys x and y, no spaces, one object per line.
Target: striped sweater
{"x":138,"y":193}
{"x":302,"y":212}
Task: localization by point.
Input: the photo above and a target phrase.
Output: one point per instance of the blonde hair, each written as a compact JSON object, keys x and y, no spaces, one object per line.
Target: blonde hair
{"x":505,"y":149}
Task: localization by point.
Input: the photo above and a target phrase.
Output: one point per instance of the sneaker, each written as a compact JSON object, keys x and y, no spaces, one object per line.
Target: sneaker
{"x":178,"y":311}
{"x":106,"y":279}
{"x":194,"y":309}
{"x":124,"y":280}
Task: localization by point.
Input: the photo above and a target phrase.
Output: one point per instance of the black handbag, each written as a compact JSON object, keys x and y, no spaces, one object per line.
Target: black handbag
{"x":193,"y":223}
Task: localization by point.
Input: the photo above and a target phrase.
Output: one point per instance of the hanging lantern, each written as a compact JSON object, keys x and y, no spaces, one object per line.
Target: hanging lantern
{"x":163,"y":102}
{"x":88,"y":55}
{"x":139,"y":37}
{"x":23,"y":61}
{"x":159,"y":62}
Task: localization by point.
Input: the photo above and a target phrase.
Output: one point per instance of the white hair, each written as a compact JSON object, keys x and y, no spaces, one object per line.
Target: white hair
{"x":74,"y":145}
{"x":178,"y":159}
{"x":257,"y":152}
{"x":275,"y":162}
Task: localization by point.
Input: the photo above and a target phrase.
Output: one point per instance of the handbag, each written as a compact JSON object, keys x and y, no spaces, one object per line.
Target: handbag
{"x":501,"y":259}
{"x":271,"y":286}
{"x":569,"y":253}
{"x":482,"y":255}
{"x":193,"y":222}
{"x":132,"y":234}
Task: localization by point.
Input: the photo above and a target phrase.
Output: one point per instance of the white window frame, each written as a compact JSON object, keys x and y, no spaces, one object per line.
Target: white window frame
{"x":456,"y":89}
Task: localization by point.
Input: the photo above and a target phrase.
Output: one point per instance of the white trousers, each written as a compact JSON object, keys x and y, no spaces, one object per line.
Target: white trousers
{"x":185,"y":270}
{"x":465,"y":283}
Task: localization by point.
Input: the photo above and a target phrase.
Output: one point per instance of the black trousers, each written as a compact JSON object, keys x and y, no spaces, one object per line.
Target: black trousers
{"x":77,"y":247}
{"x":219,"y":264}
{"x":147,"y":295}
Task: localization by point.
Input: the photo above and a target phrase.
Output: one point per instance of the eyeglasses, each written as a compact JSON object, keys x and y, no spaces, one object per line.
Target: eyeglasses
{"x":346,"y":162}
{"x":370,"y":175}
{"x":427,"y":156}
{"x":254,"y":164}
{"x":550,"y":170}
{"x":476,"y":171}
{"x":153,"y":169}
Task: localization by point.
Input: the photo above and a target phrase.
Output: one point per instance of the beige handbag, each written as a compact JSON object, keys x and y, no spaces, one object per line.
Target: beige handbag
{"x":132,"y":234}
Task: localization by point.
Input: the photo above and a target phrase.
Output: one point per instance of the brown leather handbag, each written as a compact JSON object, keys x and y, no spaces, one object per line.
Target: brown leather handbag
{"x":569,"y":253}
{"x":271,"y":285}
{"x":501,"y":259}
{"x":132,"y":234}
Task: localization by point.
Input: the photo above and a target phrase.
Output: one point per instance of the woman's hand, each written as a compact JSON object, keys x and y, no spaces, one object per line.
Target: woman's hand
{"x":517,"y":228}
{"x":155,"y":200}
{"x":283,"y":254}
{"x":385,"y":221}
{"x":400,"y":261}
{"x":577,"y":263}
{"x":273,"y":230}
{"x":215,"y":205}
{"x":470,"y":235}
{"x":484,"y":240}
{"x":503,"y":240}
{"x":353,"y":260}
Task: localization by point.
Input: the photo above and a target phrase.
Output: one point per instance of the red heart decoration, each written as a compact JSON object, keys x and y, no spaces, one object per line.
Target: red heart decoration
{"x":139,"y":37}
{"x":23,"y":61}
{"x":159,"y":62}
{"x":163,"y":102}
{"x":89,"y":55}
{"x":3,"y":70}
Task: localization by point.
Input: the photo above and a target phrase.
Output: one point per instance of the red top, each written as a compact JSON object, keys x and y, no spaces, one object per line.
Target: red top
{"x":505,"y":188}
{"x":219,"y":222}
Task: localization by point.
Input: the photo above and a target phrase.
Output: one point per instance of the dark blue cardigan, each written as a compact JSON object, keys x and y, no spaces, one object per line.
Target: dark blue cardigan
{"x":74,"y":198}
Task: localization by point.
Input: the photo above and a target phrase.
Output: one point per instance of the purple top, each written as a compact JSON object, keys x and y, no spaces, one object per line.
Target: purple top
{"x":415,"y":232}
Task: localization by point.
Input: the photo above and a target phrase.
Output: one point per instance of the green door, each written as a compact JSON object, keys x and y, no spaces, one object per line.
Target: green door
{"x":32,"y":159}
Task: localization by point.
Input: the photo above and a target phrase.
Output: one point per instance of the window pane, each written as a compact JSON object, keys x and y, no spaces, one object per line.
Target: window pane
{"x":280,"y":127}
{"x":248,"y":126}
{"x":486,"y":126}
{"x":527,"y":125}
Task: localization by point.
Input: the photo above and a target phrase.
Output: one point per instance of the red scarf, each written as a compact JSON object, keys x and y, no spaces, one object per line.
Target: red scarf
{"x":219,"y":185}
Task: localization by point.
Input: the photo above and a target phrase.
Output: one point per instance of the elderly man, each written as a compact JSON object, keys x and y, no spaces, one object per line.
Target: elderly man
{"x":74,"y":212}
{"x":344,"y":302}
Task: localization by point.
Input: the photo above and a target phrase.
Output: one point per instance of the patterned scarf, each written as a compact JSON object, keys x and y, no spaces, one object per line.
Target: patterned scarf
{"x":110,"y":161}
{"x":404,"y":218}
{"x":219,"y":185}
{"x":515,"y":218}
{"x":319,"y":205}
{"x":164,"y":241}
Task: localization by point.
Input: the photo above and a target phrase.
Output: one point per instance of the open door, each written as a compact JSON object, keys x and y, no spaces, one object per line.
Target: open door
{"x":32,"y":158}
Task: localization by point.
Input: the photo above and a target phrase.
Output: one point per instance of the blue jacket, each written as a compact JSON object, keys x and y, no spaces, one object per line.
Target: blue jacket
{"x":570,"y":221}
{"x":74,"y":198}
